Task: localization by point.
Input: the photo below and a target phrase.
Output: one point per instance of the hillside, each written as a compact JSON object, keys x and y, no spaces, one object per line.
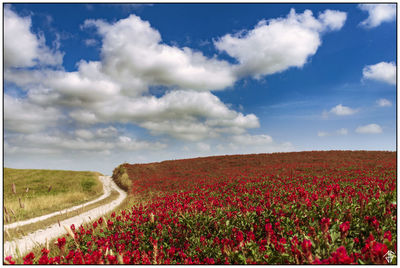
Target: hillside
{"x":336,"y":207}
{"x":178,"y":175}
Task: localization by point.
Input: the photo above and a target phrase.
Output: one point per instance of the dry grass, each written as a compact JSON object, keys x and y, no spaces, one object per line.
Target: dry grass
{"x":54,"y":250}
{"x":19,"y":232}
{"x":30,"y":193}
{"x":121,"y":178}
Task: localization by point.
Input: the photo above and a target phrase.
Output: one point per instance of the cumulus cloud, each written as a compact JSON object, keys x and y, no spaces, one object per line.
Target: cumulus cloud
{"x":115,"y":89}
{"x":129,"y":144}
{"x":339,"y":132}
{"x":203,"y":147}
{"x":322,"y":134}
{"x":332,"y":20}
{"x":382,"y":71}
{"x":342,"y":131}
{"x":383,"y":103}
{"x":91,"y":42}
{"x":59,"y":142}
{"x":342,"y":110}
{"x":182,"y":114}
{"x":377,"y":14}
{"x":106,"y":132}
{"x":81,"y":140}
{"x":247,"y":143}
{"x":132,"y":49}
{"x":22,"y":48}
{"x":84,"y":134}
{"x":248,"y":139}
{"x":188,"y":115}
{"x":22,"y":116}
{"x":278,"y":44}
{"x":369,"y":129}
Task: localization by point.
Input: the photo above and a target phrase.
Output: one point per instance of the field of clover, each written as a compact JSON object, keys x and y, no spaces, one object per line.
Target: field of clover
{"x":336,"y":207}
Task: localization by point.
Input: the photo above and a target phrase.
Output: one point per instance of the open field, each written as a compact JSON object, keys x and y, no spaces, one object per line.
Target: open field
{"x":336,"y":207}
{"x":39,"y":192}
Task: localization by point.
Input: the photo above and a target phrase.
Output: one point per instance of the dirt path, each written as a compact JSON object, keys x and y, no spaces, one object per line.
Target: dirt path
{"x":106,"y":193}
{"x":29,"y":241}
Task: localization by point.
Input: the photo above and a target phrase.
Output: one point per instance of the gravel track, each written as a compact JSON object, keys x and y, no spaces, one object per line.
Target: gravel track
{"x":26,"y":243}
{"x":106,"y":193}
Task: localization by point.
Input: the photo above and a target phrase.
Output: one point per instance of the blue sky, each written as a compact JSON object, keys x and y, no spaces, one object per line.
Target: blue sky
{"x":151,"y":82}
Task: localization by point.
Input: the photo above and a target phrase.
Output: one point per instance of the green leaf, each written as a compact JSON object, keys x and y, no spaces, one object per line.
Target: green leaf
{"x":335,"y":236}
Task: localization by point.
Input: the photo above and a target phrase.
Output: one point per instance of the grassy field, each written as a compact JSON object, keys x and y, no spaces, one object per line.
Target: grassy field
{"x":30,"y":193}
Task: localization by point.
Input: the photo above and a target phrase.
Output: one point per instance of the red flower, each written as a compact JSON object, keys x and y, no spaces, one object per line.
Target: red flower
{"x":344,"y":228}
{"x":45,"y":251}
{"x":61,"y":242}
{"x":306,"y":247}
{"x":388,"y":235}
{"x":44,"y":259}
{"x":28,"y":259}
{"x":9,"y":260}
{"x":341,"y":257}
{"x":239,"y":236}
{"x":325,"y":222}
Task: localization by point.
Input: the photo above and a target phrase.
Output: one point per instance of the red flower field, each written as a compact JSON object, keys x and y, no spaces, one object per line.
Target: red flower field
{"x":336,"y":207}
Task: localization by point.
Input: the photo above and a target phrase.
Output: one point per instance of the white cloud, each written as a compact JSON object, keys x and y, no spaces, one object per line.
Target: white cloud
{"x":278,"y":44}
{"x":132,"y":49}
{"x":248,"y":139}
{"x":369,"y":129}
{"x":116,"y":89}
{"x":323,"y":134}
{"x":383,"y":71}
{"x":383,"y":103}
{"x":377,"y":14}
{"x":129,"y":144}
{"x":203,"y":147}
{"x":106,"y":132}
{"x":342,"y":110}
{"x":82,"y":140}
{"x":59,"y":142}
{"x":189,"y":115}
{"x":341,"y":132}
{"x":23,"y":116}
{"x":332,"y":20}
{"x":84,"y":134}
{"x":22,"y":48}
{"x":84,"y":116}
{"x":91,"y":42}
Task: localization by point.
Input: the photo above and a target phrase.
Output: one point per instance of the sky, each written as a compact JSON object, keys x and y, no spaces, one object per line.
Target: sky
{"x":138,"y":83}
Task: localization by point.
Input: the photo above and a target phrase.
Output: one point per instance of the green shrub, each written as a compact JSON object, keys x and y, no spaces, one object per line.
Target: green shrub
{"x":121,"y":178}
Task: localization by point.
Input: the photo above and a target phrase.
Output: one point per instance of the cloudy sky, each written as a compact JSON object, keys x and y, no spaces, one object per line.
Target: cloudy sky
{"x":143,"y":83}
